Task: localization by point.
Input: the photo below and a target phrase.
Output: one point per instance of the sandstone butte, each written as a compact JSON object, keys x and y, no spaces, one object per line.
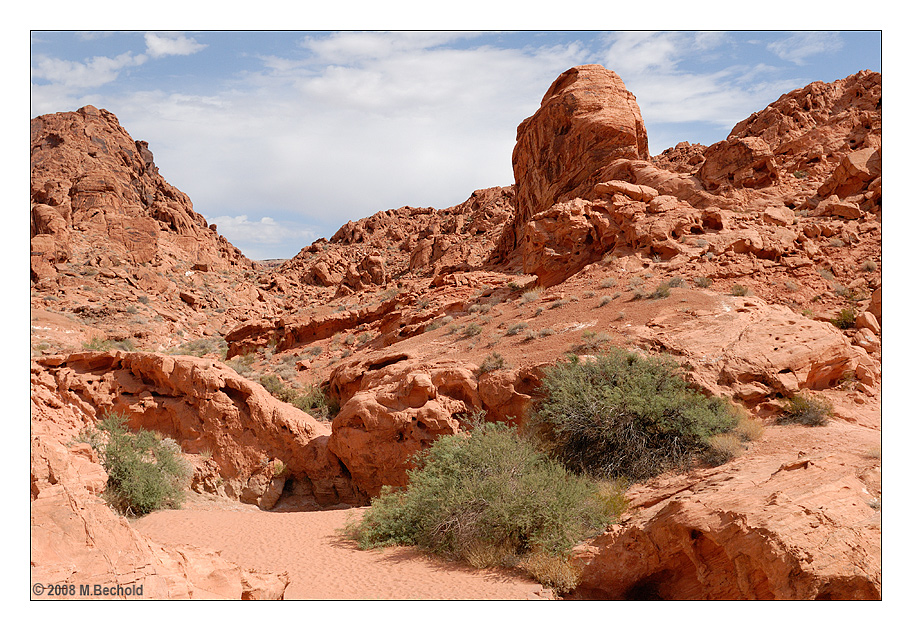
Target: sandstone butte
{"x":139,"y":306}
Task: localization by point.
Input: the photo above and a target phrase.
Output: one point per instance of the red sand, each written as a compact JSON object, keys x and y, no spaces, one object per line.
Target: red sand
{"x":320,"y":563}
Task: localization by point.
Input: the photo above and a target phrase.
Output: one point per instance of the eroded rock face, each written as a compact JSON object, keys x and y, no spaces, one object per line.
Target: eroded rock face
{"x":92,"y":184}
{"x":207,"y":408}
{"x":76,"y":539}
{"x":394,"y":406}
{"x":787,"y":525}
{"x":398,"y":410}
{"x":750,"y":350}
{"x":586,"y":119}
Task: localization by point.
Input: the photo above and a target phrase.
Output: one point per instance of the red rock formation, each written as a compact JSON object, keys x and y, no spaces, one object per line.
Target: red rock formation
{"x":749,"y":350}
{"x":99,"y":193}
{"x":786,"y":525}
{"x":586,"y":119}
{"x":788,"y":205}
{"x":394,"y":406}
{"x":206,"y":408}
{"x":77,"y":540}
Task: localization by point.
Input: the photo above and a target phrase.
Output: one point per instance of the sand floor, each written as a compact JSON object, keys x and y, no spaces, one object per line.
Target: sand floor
{"x":320,"y":563}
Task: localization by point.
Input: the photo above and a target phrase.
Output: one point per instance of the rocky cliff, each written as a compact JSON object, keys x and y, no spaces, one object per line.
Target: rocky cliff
{"x":738,"y":259}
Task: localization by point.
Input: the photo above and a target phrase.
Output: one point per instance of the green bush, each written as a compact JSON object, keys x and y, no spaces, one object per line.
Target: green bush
{"x":315,"y":402}
{"x":145,"y":472}
{"x":845,"y":319}
{"x":494,"y":361}
{"x":626,"y":416}
{"x":662,"y":291}
{"x":489,"y":498}
{"x":806,"y":410}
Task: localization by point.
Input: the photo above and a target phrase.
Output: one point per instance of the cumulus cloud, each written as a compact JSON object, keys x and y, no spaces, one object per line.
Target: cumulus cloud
{"x":173,"y":44}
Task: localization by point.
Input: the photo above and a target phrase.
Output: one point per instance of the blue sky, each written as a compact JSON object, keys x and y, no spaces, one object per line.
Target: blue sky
{"x":282,"y":137}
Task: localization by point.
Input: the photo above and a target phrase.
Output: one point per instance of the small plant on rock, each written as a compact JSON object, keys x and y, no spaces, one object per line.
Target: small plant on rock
{"x":845,"y":319}
{"x":514,"y":329}
{"x":492,"y":362}
{"x":807,"y":410}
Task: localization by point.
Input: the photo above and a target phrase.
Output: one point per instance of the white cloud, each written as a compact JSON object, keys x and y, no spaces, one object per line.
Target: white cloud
{"x":159,"y":46}
{"x":798,"y":47}
{"x":258,"y":238}
{"x":347,"y":124}
{"x":348,"y":47}
{"x":95,"y":72}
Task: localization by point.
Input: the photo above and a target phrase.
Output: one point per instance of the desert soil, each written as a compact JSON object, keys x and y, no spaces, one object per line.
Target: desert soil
{"x":321,"y":564}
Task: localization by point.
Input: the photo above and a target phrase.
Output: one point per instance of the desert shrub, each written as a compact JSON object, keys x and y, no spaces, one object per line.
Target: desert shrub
{"x":806,"y":410}
{"x":530,"y":296}
{"x":604,"y":300}
{"x":739,"y":290}
{"x":109,"y":345}
{"x":749,"y":427}
{"x":592,"y":341}
{"x":316,"y":402}
{"x":722,"y":448}
{"x":202,"y":347}
{"x":145,"y":473}
{"x":492,"y":362}
{"x":845,"y":319}
{"x":471,"y":330}
{"x":608,"y":283}
{"x":703,"y":281}
{"x":489,"y":498}
{"x":277,"y":388}
{"x":628,"y":416}
{"x":311,"y":399}
{"x":97,"y":344}
{"x":243,"y":364}
{"x":514,"y":329}
{"x":662,"y":291}
{"x":436,"y":324}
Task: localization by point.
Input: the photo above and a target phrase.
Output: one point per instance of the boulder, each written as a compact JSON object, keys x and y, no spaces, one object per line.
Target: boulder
{"x":853,"y":174}
{"x":796,"y":524}
{"x":739,"y":163}
{"x":397,"y":411}
{"x":748,"y":349}
{"x":208,"y":408}
{"x":586,"y":119}
{"x":76,"y":539}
